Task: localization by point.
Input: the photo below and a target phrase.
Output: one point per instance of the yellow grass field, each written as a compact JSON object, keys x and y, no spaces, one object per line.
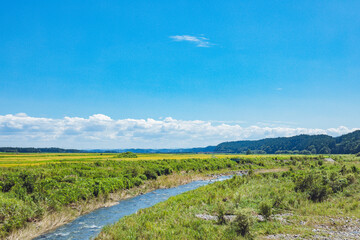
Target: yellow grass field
{"x":26,"y":159}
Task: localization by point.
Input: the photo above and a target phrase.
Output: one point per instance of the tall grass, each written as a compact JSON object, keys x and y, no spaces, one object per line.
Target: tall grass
{"x":27,"y":193}
{"x":299,"y":192}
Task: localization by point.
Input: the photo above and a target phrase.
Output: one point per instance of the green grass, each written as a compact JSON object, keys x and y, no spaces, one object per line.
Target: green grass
{"x":311,"y":191}
{"x":28,"y":192}
{"x":38,"y":184}
{"x":31,"y":159}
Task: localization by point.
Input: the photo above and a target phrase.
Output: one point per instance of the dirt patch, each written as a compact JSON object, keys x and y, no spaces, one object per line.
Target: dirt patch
{"x":271,"y":170}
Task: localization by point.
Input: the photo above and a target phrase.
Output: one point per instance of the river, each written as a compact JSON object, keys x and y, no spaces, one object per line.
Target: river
{"x":88,"y":226}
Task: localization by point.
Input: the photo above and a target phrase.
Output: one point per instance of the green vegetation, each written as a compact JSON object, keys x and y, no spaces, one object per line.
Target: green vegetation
{"x":27,"y":193}
{"x":288,"y":202}
{"x":26,"y":159}
{"x":126,"y":155}
{"x":302,"y":144}
{"x":37,"y":150}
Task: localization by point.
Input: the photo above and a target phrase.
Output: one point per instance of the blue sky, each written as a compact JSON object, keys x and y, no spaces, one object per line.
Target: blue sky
{"x":286,"y":64}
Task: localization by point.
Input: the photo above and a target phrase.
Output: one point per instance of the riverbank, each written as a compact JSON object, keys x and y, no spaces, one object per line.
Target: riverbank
{"x":54,"y":220}
{"x":313,"y":200}
{"x":30,"y":194}
{"x":40,"y":198}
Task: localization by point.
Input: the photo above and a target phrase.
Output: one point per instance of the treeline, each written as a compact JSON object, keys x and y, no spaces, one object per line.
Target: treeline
{"x":150,"y":150}
{"x":37,"y":150}
{"x":302,"y":144}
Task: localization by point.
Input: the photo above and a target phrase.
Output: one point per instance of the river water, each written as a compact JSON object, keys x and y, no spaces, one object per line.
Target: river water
{"x":89,"y":225}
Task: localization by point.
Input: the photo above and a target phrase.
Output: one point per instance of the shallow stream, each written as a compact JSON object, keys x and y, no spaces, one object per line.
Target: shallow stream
{"x":89,"y":225}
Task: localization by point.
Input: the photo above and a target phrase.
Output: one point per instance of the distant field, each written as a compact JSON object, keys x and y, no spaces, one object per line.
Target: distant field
{"x":26,"y":159}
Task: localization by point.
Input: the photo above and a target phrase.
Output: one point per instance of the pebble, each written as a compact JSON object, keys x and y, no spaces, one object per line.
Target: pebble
{"x":341,"y":228}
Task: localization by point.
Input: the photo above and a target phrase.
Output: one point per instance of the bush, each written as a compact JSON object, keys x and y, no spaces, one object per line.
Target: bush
{"x":13,"y":214}
{"x":343,"y":170}
{"x":241,"y":225}
{"x":265,"y":210}
{"x":315,"y":184}
{"x":338,"y":184}
{"x":142,"y":177}
{"x":350,"y":178}
{"x":319,"y":192}
{"x":126,"y":155}
{"x":354,"y":169}
{"x":150,"y":174}
{"x":304,"y":182}
{"x":220,"y":212}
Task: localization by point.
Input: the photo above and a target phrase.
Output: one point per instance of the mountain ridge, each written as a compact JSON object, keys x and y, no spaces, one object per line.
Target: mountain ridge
{"x":305,"y":144}
{"x":300,"y":144}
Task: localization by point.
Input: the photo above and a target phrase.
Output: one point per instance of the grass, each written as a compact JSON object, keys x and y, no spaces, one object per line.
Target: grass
{"x":290,"y":194}
{"x":30,"y":193}
{"x":41,"y":185}
{"x":53,"y":219}
{"x":31,"y":159}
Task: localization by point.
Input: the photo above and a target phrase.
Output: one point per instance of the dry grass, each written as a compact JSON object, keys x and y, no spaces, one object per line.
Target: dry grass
{"x":29,"y":159}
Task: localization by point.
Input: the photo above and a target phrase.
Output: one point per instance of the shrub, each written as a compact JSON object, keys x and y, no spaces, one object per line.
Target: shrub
{"x":142,"y":177}
{"x":354,"y":169}
{"x":304,"y":182}
{"x":265,"y":210}
{"x":150,"y":174}
{"x":241,"y":225}
{"x":126,"y":155}
{"x":220,"y":211}
{"x":315,"y":184}
{"x":319,"y":192}
{"x":14,"y":213}
{"x":338,"y":184}
{"x":350,"y":178}
{"x":343,"y":170}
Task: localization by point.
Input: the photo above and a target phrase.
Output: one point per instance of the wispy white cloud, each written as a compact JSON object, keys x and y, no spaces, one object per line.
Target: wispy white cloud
{"x":101,"y":131}
{"x":199,"y":41}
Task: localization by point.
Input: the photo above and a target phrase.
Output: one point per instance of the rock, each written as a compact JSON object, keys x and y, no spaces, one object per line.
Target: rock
{"x":215,"y":218}
{"x":206,"y":217}
{"x":340,"y":228}
{"x":329,"y":160}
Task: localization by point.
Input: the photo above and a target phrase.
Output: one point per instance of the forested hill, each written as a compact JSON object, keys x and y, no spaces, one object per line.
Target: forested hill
{"x":304,"y":144}
{"x":38,"y":150}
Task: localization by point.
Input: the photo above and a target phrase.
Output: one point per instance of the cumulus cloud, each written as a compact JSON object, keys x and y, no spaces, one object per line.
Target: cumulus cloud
{"x":101,"y":131}
{"x":199,"y":41}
